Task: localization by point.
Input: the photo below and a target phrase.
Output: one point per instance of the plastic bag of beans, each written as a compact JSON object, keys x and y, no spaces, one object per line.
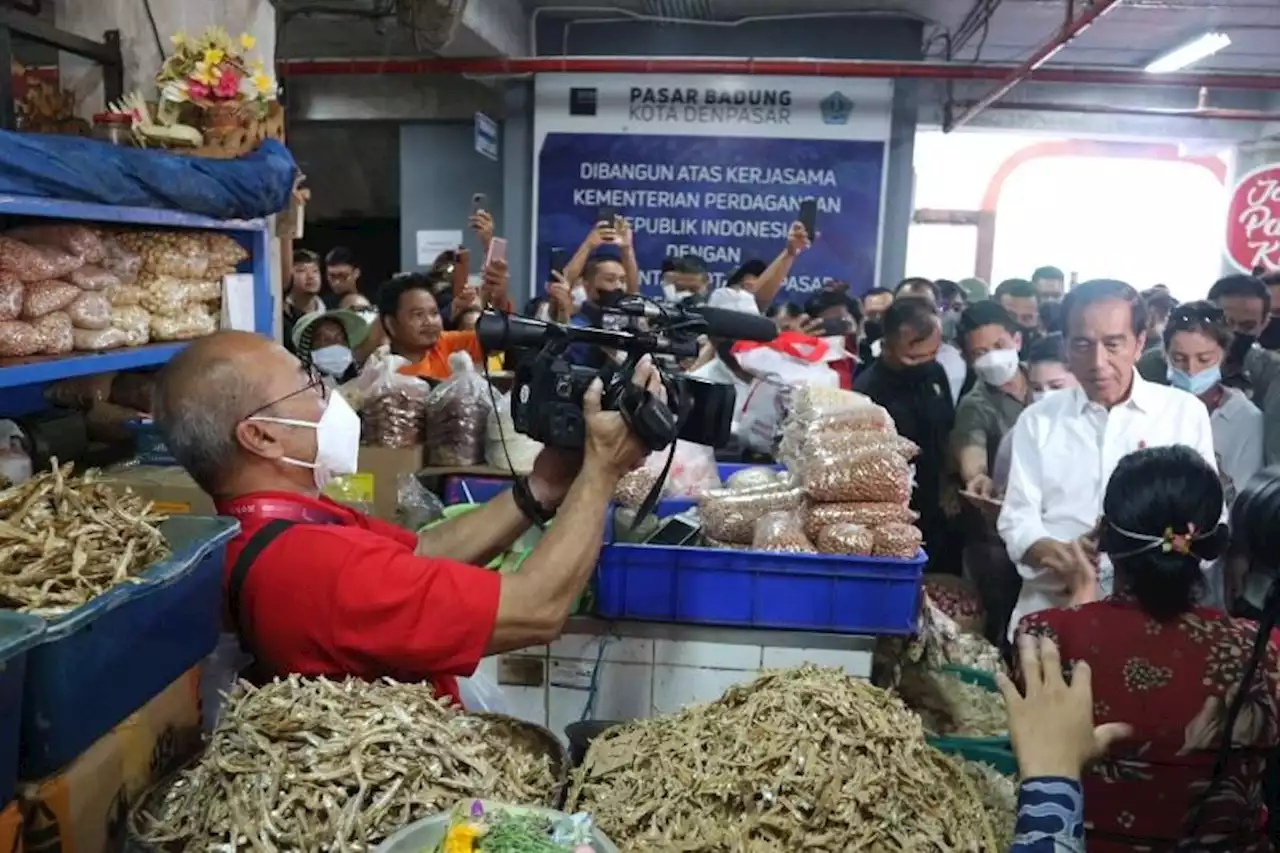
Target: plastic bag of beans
{"x":781,"y":532}
{"x":851,"y":539}
{"x":458,"y":412}
{"x":90,"y":277}
{"x":80,"y":241}
{"x":97,"y":340}
{"x":35,"y":263}
{"x":56,"y":329}
{"x":897,"y":540}
{"x":635,"y":486}
{"x":818,"y":516}
{"x":44,"y":297}
{"x":125,"y":294}
{"x":134,"y":321}
{"x":11,"y":291}
{"x":224,"y":252}
{"x":18,"y":339}
{"x":123,"y":263}
{"x":731,"y":516}
{"x":90,"y":311}
{"x":814,"y":401}
{"x":752,"y":477}
{"x":878,"y":475}
{"x":168,"y":253}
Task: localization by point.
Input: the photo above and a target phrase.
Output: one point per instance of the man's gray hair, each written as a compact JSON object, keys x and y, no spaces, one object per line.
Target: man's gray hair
{"x":197,"y":414}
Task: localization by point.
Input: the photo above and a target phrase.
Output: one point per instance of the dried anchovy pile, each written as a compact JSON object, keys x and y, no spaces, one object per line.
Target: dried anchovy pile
{"x":64,"y":540}
{"x":802,"y":759}
{"x":950,"y":706}
{"x":314,"y":764}
{"x":999,"y":795}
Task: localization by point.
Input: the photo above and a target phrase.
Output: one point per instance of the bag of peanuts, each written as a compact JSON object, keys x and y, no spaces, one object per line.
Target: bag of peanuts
{"x":55,"y":327}
{"x":79,"y":240}
{"x":97,"y":340}
{"x":898,"y":540}
{"x":834,"y":443}
{"x":90,"y":311}
{"x":811,"y":402}
{"x":134,"y":321}
{"x":224,"y":252}
{"x":165,"y":295}
{"x":44,"y":297}
{"x":875,"y":475}
{"x":781,"y":532}
{"x":19,"y":339}
{"x":868,"y":515}
{"x":170,"y":253}
{"x":194,"y":321}
{"x":458,"y":415}
{"x":123,"y":263}
{"x":11,"y":292}
{"x":731,"y":516}
{"x":89,"y":277}
{"x":35,"y":263}
{"x":393,"y":407}
{"x":849,"y":539}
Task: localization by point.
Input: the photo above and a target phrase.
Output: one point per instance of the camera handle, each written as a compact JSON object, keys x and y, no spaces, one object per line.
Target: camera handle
{"x":649,"y":418}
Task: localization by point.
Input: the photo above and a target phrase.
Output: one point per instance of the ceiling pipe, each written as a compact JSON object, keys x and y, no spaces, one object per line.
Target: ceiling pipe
{"x":515,"y":66}
{"x":1154,"y":112}
{"x":1043,"y":54}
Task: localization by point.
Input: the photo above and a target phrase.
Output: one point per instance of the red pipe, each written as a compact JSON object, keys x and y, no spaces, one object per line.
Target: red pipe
{"x":507,"y":66}
{"x":1042,"y":55}
{"x":1156,"y":112}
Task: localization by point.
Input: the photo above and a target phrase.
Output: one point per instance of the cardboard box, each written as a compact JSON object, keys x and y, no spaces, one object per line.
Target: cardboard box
{"x":11,"y":829}
{"x":84,"y":809}
{"x":382,"y":467}
{"x":171,"y":489}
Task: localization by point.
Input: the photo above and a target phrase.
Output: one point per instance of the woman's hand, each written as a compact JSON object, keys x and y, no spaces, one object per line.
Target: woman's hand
{"x":481,"y":222}
{"x":1052,"y":725}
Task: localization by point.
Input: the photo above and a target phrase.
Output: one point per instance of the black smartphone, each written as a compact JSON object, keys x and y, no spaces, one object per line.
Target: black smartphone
{"x":675,"y":531}
{"x":809,"y":216}
{"x":479,"y":202}
{"x":559,"y":260}
{"x":607,"y":215}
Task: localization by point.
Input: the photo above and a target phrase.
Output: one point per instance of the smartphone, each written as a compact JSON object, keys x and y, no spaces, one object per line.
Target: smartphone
{"x":809,"y":216}
{"x":497,"y":251}
{"x":461,"y":271}
{"x":981,"y":501}
{"x":606,"y":215}
{"x":675,"y":531}
{"x":479,"y":202}
{"x":833,"y":326}
{"x":559,"y":260}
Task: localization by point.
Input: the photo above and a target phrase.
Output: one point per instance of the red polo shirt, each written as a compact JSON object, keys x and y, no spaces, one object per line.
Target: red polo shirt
{"x":350,"y":598}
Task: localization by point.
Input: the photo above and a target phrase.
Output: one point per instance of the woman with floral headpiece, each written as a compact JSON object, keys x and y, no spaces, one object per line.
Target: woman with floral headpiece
{"x":1168,"y":667}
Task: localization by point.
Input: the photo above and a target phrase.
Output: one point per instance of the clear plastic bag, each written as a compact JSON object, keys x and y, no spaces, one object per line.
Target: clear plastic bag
{"x":635,"y":486}
{"x":781,"y":532}
{"x":80,"y":392}
{"x":849,"y":539}
{"x":18,"y":339}
{"x":813,"y":401}
{"x":11,"y":292}
{"x":749,"y":478}
{"x":206,"y":291}
{"x":89,"y":277}
{"x":505,"y":447}
{"x":224,"y":252}
{"x":863,"y":426}
{"x":166,"y":296}
{"x":416,"y":505}
{"x":80,"y":241}
{"x":898,"y":540}
{"x":379,"y":371}
{"x":134,"y":321}
{"x":731,"y":516}
{"x":43,"y":297}
{"x":56,"y":330}
{"x":90,"y":311}
{"x":458,"y":415}
{"x":169,"y":253}
{"x":97,"y":340}
{"x":819,"y":516}
{"x":125,"y":294}
{"x":693,"y":473}
{"x":195,"y":321}
{"x":123,"y":263}
{"x":874,"y":476}
{"x":35,"y":263}
{"x":394,"y":406}
{"x":481,"y":695}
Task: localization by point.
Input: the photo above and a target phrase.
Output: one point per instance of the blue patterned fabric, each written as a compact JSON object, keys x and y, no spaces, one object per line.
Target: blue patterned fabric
{"x":1050,"y":816}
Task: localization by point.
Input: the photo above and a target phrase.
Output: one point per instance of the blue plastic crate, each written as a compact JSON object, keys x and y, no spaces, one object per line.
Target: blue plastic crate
{"x":810,"y":592}
{"x":148,"y":443}
{"x":18,"y":633}
{"x":103,"y":661}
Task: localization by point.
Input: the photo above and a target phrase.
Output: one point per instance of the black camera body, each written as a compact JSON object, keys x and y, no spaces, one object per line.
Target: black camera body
{"x":546,"y":398}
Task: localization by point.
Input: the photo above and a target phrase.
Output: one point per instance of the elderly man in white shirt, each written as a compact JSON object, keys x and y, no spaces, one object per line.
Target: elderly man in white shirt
{"x":1066,"y":446}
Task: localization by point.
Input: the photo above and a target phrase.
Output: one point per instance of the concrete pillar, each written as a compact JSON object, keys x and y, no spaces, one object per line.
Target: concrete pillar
{"x":142,"y":58}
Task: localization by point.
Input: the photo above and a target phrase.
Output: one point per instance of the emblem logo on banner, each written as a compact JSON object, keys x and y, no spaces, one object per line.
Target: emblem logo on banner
{"x":836,"y":109}
{"x":583,"y":101}
{"x":1253,"y":221}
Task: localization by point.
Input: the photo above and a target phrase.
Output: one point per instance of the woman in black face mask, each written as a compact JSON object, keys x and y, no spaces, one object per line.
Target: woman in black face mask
{"x":907,"y":380}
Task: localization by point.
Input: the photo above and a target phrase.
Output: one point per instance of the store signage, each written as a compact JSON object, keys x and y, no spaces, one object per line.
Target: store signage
{"x":486,"y":136}
{"x":1253,"y":221}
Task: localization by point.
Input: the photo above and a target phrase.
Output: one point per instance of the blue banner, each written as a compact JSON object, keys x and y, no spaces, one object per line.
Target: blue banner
{"x":726,"y":199}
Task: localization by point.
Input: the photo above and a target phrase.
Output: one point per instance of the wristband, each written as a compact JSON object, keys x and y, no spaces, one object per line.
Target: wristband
{"x":528,"y":504}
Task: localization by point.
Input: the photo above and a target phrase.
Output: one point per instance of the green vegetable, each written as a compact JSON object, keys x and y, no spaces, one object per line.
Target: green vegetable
{"x":518,"y":834}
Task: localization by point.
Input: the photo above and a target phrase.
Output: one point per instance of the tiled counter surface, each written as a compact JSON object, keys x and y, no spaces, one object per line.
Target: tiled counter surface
{"x":638,"y":669}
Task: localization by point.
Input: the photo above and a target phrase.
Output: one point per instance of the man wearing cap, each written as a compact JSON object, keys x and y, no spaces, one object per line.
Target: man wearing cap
{"x":326,"y":339}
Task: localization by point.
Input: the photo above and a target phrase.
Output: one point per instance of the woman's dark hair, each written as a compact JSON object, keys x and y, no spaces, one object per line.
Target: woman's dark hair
{"x":1200,"y":316}
{"x":1153,"y":493}
{"x":1048,"y":348}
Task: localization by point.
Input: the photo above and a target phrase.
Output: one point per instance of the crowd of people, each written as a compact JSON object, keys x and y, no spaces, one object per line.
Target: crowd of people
{"x":1080,"y":449}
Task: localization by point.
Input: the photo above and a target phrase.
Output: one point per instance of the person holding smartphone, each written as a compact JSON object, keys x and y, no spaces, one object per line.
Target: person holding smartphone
{"x":613,"y":231}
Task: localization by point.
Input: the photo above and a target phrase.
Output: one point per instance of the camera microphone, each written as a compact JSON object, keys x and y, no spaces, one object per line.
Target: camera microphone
{"x":717,"y":322}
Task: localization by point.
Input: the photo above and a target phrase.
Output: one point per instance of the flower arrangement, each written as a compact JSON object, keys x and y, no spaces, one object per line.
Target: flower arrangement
{"x":212,"y":71}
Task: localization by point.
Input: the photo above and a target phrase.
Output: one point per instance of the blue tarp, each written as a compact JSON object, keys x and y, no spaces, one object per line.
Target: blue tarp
{"x":71,"y":168}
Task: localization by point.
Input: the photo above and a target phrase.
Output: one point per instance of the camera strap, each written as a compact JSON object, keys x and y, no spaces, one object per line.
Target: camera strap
{"x":655,"y":492}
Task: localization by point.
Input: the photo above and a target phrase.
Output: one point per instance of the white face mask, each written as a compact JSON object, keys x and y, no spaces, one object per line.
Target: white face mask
{"x":997,"y":367}
{"x":333,"y":360}
{"x":337,"y":440}
{"x":579,"y":295}
{"x":1037,"y":396}
{"x":670,"y":293}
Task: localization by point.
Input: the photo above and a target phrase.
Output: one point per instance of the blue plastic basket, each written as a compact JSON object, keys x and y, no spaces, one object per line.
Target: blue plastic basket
{"x":674,"y":506}
{"x":18,"y":633}
{"x":103,"y":661}
{"x":811,"y":592}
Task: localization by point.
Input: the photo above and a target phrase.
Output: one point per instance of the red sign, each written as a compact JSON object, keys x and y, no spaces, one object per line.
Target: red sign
{"x":1253,"y":220}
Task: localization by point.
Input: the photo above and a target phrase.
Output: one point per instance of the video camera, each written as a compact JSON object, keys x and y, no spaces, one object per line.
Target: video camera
{"x":546,"y":399}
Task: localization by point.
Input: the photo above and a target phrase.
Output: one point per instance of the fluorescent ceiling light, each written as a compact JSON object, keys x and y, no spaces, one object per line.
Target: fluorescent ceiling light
{"x":1189,"y":53}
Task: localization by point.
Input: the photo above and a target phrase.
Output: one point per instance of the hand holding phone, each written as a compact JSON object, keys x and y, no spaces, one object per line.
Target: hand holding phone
{"x":479,"y":202}
{"x":809,"y":217}
{"x":497,"y":251}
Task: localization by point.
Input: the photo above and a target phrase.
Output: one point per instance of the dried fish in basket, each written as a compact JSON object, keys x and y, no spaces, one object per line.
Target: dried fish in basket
{"x":999,"y":794}
{"x":802,"y":759}
{"x":311,"y":764}
{"x":65,"y":540}
{"x":949,"y":705}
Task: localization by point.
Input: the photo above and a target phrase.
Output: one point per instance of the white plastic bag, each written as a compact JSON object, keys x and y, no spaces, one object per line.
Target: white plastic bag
{"x":481,"y":695}
{"x":506,"y":448}
{"x":790,"y":362}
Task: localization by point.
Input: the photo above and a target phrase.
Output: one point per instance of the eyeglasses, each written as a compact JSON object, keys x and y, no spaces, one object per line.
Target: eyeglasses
{"x":315,"y":380}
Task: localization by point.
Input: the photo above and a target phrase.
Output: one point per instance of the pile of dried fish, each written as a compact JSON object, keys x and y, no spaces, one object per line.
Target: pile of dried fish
{"x":64,"y":540}
{"x":999,"y":795}
{"x":802,"y":759}
{"x":951,"y":706}
{"x":313,"y":764}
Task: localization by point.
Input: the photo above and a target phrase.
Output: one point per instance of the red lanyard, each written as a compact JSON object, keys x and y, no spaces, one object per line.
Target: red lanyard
{"x":278,"y":508}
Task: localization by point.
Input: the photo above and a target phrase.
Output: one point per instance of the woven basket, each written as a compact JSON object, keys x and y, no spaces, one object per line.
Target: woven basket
{"x":236,"y":138}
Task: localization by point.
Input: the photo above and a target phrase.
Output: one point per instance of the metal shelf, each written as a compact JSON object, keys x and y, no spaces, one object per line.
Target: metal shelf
{"x":21,"y":205}
{"x":30,"y":371}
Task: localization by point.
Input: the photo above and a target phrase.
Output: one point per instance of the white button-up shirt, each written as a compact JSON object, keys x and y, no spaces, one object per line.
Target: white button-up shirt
{"x":1064,"y":450}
